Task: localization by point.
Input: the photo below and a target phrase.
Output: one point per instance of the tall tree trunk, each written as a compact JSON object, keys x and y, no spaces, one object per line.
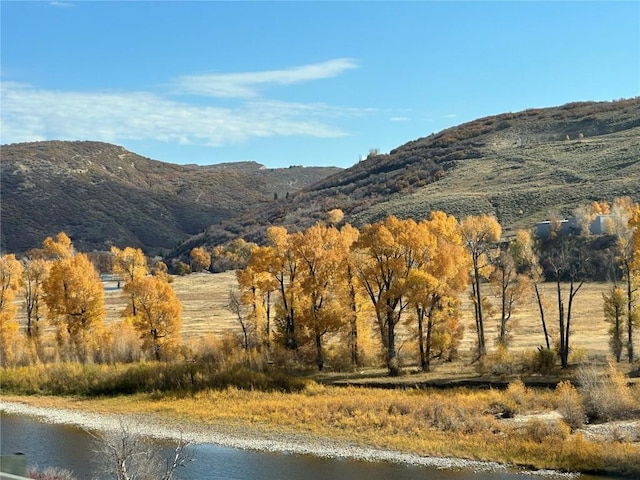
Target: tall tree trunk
{"x":353,"y":335}
{"x":319,"y":352}
{"x":544,"y":323}
{"x":392,"y":358}
{"x":423,"y":358}
{"x":629,"y":316}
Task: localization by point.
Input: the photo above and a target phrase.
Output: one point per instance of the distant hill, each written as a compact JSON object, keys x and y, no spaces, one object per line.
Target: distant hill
{"x":102,"y":195}
{"x":520,"y":167}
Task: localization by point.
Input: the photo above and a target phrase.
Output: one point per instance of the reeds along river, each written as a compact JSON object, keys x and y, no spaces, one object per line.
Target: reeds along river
{"x":70,"y":448}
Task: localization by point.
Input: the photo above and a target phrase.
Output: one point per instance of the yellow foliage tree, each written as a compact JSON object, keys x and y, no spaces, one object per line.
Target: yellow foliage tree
{"x":156,"y":313}
{"x":35,"y":272}
{"x":384,"y":258}
{"x":200,"y":259}
{"x":58,"y":248}
{"x":434,"y":285}
{"x":480,"y":234}
{"x":74,"y":296}
{"x":321,"y":310}
{"x":129,"y":263}
{"x":10,"y":273}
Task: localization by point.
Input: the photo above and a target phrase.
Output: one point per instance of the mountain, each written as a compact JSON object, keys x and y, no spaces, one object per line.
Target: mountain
{"x":520,"y":167}
{"x":102,"y":195}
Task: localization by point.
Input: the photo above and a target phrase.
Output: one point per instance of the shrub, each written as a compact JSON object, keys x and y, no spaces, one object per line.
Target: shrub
{"x":570,"y":405}
{"x":50,"y":473}
{"x":606,"y":396}
{"x":541,"y":431}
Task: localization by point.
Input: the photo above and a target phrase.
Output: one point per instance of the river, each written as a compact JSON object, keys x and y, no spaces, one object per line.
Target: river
{"x":70,"y":448}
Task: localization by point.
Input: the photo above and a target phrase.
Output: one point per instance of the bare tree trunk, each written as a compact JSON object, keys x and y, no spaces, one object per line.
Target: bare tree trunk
{"x":544,"y":324}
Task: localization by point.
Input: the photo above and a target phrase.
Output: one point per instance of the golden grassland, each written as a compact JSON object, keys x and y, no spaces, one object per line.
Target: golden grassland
{"x":457,"y":422}
{"x":454,"y":423}
{"x":203,"y":297}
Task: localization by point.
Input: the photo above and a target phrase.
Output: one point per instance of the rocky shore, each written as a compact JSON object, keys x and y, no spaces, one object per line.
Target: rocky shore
{"x":229,"y":436}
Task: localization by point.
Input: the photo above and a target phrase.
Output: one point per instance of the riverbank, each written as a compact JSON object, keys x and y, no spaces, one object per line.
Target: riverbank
{"x":229,"y":435}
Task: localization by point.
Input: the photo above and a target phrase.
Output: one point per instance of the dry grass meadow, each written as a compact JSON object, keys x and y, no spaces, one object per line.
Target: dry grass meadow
{"x":204,"y":295}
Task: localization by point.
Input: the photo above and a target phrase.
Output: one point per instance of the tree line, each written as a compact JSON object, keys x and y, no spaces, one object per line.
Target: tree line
{"x":334,"y":285}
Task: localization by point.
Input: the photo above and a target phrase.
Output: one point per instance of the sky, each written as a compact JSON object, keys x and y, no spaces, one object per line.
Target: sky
{"x":298,"y":83}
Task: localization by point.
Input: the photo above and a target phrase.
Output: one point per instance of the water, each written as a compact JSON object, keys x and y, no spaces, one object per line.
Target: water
{"x":73,"y":449}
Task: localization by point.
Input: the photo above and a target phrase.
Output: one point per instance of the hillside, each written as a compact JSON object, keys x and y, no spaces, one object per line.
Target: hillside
{"x":102,"y":195}
{"x":520,"y":167}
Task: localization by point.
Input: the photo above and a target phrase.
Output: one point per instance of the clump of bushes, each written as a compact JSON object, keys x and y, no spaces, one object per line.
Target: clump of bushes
{"x":606,"y":396}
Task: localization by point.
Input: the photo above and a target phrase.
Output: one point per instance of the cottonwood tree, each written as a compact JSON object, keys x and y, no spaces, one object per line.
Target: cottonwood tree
{"x":384,"y":257}
{"x":58,"y":248}
{"x":156,"y":314}
{"x":433,"y":289}
{"x":320,"y":256}
{"x":257,"y":285}
{"x":200,"y":259}
{"x":568,"y":261}
{"x":625,"y":225}
{"x":74,"y":296}
{"x":614,"y":314}
{"x":526,"y":254}
{"x":10,"y":277}
{"x":237,"y":307}
{"x":34,"y":274}
{"x":129,"y":263}
{"x":511,"y":286}
{"x":283,"y":265}
{"x":348,"y":236}
{"x":480,"y":234}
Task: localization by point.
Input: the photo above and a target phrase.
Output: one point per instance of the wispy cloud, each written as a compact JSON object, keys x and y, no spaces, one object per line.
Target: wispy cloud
{"x":61,"y":4}
{"x":450,"y":115}
{"x":399,"y":119}
{"x":30,"y":114}
{"x":245,"y":85}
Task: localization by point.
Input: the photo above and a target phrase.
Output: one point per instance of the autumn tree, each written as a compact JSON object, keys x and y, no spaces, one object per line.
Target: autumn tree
{"x":238,"y":308}
{"x":200,"y":259}
{"x":434,"y":287}
{"x":58,"y":248}
{"x":35,"y":272}
{"x":625,"y":225}
{"x":525,"y":251}
{"x":511,"y":286}
{"x":614,"y":314}
{"x":335,"y":216}
{"x":10,"y":276}
{"x":233,"y":255}
{"x":283,"y":265}
{"x":74,"y":296}
{"x":129,"y":263}
{"x":156,"y":313}
{"x":480,"y":234}
{"x":348,"y":236}
{"x":320,"y":256}
{"x":257,"y":284}
{"x":384,"y":259}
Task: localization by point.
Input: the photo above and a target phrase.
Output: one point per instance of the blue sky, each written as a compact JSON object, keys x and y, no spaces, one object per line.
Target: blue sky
{"x":299,"y":83}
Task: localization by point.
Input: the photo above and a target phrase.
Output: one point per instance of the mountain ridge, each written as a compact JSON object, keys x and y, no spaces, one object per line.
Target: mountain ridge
{"x":128,"y":199}
{"x":520,"y":167}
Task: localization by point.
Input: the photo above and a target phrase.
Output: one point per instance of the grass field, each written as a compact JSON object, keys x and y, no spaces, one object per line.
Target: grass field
{"x":204,"y":296}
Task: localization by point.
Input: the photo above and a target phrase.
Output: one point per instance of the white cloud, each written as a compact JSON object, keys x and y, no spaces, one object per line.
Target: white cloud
{"x":30,"y":114}
{"x":244,"y":85}
{"x":399,"y":119}
{"x":61,"y":4}
{"x":450,"y":115}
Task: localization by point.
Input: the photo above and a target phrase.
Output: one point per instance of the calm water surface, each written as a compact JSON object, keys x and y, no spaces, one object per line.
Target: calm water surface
{"x":72,"y":449}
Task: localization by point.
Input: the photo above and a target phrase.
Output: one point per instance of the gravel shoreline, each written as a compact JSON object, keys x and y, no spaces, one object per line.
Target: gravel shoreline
{"x":225,"y":436}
